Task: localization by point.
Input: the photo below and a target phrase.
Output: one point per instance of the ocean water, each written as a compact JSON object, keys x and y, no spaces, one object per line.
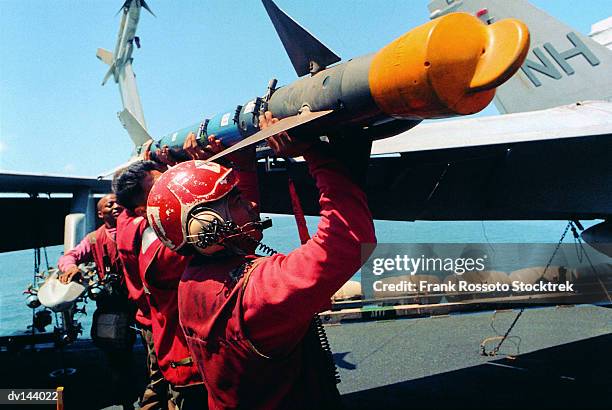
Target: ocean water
{"x":16,"y":268}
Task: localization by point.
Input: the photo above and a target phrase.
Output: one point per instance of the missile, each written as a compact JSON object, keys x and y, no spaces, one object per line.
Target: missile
{"x":447,"y":67}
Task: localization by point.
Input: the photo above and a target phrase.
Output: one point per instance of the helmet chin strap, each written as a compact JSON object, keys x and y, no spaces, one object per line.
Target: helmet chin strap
{"x":242,"y":239}
{"x":211,"y":225}
{"x":259,"y":225}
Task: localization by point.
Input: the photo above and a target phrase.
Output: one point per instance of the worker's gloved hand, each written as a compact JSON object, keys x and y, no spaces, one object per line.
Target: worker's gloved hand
{"x":195,"y":151}
{"x":244,"y":159}
{"x":163,"y":156}
{"x":282,"y":143}
{"x":72,"y":274}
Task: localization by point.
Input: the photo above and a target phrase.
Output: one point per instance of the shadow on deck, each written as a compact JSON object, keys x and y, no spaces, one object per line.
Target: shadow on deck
{"x":573,"y":375}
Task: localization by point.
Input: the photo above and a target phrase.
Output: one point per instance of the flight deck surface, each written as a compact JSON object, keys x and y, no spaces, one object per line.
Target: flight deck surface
{"x":562,"y":361}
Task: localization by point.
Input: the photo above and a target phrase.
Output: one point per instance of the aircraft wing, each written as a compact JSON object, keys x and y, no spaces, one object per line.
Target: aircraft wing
{"x":34,"y":206}
{"x":542,"y":165}
{"x":13,"y":182}
{"x":585,"y":119}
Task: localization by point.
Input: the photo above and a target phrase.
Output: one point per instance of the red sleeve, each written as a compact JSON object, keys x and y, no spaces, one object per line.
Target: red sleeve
{"x":285,"y":291}
{"x":79,"y":254}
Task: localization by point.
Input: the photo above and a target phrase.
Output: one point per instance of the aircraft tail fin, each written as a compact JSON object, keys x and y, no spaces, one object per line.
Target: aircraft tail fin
{"x":562,"y":67}
{"x":135,"y":129}
{"x":305,"y":50}
{"x":111,"y":71}
{"x":105,"y":56}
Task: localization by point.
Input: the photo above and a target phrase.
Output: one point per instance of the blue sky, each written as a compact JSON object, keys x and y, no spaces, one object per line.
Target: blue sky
{"x":197,"y":58}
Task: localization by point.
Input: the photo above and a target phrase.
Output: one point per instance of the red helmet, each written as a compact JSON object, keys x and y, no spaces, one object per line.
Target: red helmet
{"x":181,"y":188}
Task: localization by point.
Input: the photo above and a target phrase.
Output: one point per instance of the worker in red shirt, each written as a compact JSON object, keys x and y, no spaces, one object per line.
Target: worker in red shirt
{"x":97,"y":246}
{"x":156,"y":272}
{"x":100,"y":247}
{"x":130,"y":226}
{"x":248,"y":320}
{"x":159,"y":270}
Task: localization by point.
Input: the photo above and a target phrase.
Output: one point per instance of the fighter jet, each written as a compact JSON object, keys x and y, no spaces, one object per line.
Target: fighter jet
{"x":472,"y":169}
{"x":120,"y":62}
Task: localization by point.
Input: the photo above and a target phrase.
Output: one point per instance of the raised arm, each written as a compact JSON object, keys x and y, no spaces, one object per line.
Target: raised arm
{"x":283,"y":292}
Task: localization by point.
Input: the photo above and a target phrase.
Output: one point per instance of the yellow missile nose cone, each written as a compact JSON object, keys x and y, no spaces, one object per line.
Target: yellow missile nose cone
{"x":448,"y":66}
{"x":505,"y":51}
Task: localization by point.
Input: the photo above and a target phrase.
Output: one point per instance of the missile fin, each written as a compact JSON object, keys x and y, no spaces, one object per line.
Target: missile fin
{"x":146,"y":7}
{"x":283,"y":125}
{"x":137,"y":132}
{"x":126,"y":5}
{"x":301,"y":46}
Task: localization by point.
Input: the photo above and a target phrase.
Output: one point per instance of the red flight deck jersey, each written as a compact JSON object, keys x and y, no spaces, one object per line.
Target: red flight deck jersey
{"x":129,"y":237}
{"x":248,"y":337}
{"x":138,"y":249}
{"x":161,"y":270}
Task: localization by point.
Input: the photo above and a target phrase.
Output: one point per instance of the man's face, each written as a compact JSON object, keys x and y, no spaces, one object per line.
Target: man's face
{"x":109,"y":210}
{"x":243,"y":212}
{"x":146,"y":184}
